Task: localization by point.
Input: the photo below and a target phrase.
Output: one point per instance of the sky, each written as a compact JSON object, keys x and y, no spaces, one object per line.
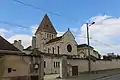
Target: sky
{"x":74,"y":14}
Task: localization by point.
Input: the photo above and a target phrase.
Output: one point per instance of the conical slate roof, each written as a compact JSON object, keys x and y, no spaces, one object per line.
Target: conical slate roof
{"x":5,"y":45}
{"x":46,"y":26}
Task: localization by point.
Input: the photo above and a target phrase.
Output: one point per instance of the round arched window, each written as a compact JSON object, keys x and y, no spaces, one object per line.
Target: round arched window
{"x":69,"y":48}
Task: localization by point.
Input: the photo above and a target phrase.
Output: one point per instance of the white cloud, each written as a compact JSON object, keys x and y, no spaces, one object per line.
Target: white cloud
{"x":26,"y":39}
{"x":74,"y":29}
{"x":34,"y":28}
{"x":3,"y":31}
{"x":60,"y":33}
{"x":105,"y":31}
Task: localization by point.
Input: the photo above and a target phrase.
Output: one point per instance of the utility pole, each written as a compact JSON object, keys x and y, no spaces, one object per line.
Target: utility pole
{"x":88,"y":43}
{"x":89,"y":61}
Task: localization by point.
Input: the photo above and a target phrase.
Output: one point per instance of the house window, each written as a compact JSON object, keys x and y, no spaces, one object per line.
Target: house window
{"x":54,"y":65}
{"x":44,"y":64}
{"x":48,"y":50}
{"x":53,"y":50}
{"x":58,"y":49}
{"x":14,"y":69}
{"x":47,"y":35}
{"x":58,"y":64}
{"x":52,"y":36}
{"x":9,"y":70}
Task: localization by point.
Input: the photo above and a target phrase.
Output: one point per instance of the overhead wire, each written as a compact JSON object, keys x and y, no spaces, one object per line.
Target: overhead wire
{"x":38,"y":8}
{"x":12,"y":24}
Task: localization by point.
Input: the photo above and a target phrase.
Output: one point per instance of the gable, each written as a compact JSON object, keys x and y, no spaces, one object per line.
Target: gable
{"x":68,"y":36}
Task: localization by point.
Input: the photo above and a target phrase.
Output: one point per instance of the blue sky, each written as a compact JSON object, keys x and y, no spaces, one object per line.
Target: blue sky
{"x":77,"y":13}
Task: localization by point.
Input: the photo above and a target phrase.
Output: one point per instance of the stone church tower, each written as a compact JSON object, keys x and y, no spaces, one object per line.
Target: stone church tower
{"x":44,"y":33}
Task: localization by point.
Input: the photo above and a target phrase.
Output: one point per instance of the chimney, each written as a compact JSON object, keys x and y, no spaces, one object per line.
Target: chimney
{"x":33,"y":42}
{"x":15,"y":41}
{"x":20,"y":41}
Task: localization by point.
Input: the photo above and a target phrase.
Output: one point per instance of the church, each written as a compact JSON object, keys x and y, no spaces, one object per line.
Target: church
{"x":46,"y":39}
{"x":47,"y":42}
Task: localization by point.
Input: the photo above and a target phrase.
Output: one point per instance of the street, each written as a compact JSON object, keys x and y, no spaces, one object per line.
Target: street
{"x":101,"y":75}
{"x":114,"y":77}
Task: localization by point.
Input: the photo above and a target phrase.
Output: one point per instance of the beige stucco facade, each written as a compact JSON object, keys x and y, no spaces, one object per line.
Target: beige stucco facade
{"x":19,"y":63}
{"x":14,"y":66}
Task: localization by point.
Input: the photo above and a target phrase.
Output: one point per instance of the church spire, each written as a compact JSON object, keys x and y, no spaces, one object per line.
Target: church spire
{"x":46,"y":26}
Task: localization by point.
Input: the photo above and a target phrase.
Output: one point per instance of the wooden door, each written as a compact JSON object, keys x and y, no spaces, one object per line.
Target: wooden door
{"x":74,"y":70}
{"x":34,"y":77}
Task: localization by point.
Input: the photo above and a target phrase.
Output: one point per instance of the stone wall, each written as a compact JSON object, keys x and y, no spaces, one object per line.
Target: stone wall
{"x":103,"y":65}
{"x":95,"y":66}
{"x":82,"y":65}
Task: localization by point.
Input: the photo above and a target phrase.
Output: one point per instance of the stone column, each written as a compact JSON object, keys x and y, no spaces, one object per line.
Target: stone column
{"x":63,"y":67}
{"x":41,"y":68}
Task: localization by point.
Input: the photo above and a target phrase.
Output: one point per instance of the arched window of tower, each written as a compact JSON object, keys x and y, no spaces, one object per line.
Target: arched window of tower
{"x":52,"y":36}
{"x":49,"y":36}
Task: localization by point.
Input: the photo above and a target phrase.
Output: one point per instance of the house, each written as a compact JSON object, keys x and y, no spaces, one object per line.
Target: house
{"x":14,"y":64}
{"x":82,"y":50}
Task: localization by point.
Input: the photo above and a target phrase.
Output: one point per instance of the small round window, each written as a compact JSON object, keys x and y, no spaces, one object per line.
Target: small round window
{"x":69,"y":48}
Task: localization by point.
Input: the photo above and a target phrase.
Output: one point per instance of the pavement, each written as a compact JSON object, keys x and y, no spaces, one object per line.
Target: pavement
{"x":51,"y":77}
{"x":113,"y":77}
{"x":100,"y":75}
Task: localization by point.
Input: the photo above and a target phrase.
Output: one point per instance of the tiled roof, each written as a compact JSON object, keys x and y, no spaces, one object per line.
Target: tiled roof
{"x":54,"y":40}
{"x":46,"y":26}
{"x":5,"y":45}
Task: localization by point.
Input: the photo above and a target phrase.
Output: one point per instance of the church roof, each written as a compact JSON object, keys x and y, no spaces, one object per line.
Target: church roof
{"x":5,"y":45}
{"x":46,"y":26}
{"x":54,"y":40}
